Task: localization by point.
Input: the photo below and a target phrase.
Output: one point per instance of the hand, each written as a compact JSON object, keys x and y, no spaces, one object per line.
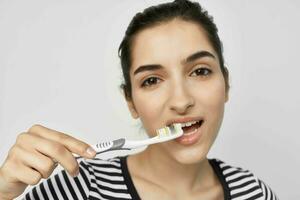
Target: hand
{"x":33,"y":157}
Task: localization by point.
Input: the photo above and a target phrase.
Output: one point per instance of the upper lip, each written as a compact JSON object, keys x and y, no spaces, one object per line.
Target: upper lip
{"x":184,"y":120}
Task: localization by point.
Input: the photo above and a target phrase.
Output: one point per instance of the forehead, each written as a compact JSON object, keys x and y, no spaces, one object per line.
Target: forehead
{"x":168,"y":43}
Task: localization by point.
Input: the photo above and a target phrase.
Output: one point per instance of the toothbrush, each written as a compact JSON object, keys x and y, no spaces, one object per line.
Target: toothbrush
{"x":163,"y":134}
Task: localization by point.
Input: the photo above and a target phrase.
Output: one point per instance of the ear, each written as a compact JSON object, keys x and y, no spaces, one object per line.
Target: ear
{"x":227,"y":87}
{"x":226,"y":97}
{"x":132,"y":109}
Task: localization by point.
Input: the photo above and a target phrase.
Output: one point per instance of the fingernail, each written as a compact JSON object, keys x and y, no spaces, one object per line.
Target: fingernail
{"x":90,"y":151}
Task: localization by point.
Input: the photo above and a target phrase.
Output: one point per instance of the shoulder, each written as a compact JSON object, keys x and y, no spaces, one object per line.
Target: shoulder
{"x":241,"y":183}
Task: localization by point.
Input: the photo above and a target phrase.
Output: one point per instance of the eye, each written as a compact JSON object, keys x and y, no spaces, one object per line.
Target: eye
{"x":150,"y":81}
{"x":202,"y":71}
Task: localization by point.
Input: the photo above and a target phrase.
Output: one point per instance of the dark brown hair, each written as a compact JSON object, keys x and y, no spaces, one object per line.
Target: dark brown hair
{"x":155,"y":15}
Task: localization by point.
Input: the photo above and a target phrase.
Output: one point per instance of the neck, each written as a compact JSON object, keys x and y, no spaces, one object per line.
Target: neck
{"x":161,"y":169}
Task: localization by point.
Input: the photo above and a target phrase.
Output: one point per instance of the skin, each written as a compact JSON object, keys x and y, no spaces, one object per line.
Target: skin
{"x":172,"y":170}
{"x":163,"y":171}
{"x":32,"y":157}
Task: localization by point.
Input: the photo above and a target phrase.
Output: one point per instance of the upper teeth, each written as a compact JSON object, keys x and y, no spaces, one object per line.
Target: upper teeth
{"x":188,"y":123}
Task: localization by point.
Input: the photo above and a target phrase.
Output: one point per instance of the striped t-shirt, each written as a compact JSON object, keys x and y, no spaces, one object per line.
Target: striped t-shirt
{"x":110,"y":179}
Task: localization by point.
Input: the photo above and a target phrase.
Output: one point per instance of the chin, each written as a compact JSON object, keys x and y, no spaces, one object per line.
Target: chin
{"x":189,"y":155}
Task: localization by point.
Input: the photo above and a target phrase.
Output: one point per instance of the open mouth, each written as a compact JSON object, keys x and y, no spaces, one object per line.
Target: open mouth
{"x":188,"y":127}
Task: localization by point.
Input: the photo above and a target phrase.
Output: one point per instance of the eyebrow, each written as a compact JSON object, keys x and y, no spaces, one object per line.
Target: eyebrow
{"x":189,"y":59}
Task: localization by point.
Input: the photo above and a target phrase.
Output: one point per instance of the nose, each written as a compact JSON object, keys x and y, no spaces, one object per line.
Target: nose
{"x":181,"y":100}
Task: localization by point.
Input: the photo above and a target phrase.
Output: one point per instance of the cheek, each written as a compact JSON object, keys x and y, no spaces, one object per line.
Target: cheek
{"x":149,"y":107}
{"x":215,"y":96}
{"x":211,"y":94}
{"x":213,"y":101}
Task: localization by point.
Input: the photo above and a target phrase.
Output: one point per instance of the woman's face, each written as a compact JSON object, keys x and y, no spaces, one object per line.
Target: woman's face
{"x":177,"y":87}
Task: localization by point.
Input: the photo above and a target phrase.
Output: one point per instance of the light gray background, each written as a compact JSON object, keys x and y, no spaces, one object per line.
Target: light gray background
{"x":59,"y":67}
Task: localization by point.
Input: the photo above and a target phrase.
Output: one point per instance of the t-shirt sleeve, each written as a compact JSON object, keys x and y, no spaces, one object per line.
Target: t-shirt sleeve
{"x":63,"y":186}
{"x":268,"y":194}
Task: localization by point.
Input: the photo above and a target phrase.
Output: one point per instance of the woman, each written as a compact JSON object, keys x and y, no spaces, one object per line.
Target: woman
{"x":174,"y":72}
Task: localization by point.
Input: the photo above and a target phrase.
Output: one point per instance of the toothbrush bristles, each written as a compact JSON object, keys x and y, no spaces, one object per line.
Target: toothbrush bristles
{"x":169,"y":130}
{"x":164,"y":131}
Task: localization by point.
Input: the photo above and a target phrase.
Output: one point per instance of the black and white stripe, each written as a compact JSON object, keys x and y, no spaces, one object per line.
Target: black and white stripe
{"x":242,"y":184}
{"x":110,"y":179}
{"x":98,"y":179}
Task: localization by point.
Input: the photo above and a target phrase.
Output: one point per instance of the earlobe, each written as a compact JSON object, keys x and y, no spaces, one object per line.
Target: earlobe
{"x":132,"y":109}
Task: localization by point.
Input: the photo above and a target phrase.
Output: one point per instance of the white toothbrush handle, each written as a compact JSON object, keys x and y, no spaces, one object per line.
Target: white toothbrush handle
{"x":110,"y":146}
{"x":122,"y":144}
{"x":131,"y":144}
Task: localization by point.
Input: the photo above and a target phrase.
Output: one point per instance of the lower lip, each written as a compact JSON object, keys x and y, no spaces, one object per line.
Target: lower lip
{"x":190,"y":139}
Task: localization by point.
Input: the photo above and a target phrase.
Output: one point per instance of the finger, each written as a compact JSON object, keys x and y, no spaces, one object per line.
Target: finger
{"x":28,"y":175}
{"x":72,"y":144}
{"x":61,"y":155}
{"x":19,"y":172}
{"x":39,"y":162}
{"x":51,"y":149}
